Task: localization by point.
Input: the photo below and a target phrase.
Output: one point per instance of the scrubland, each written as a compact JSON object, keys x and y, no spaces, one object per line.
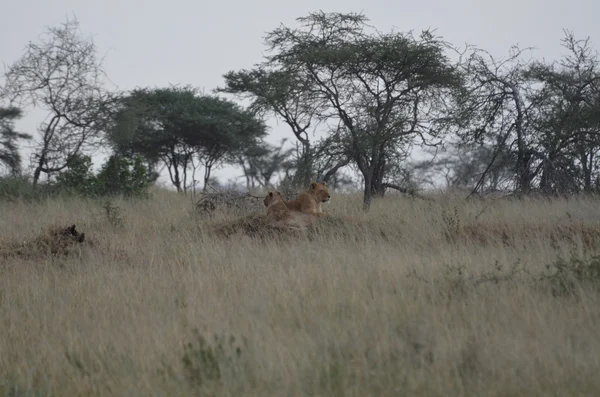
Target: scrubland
{"x":441,"y":297}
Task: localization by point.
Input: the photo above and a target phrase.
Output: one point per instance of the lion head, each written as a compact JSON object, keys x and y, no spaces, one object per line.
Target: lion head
{"x":273,"y":197}
{"x":319,"y":190}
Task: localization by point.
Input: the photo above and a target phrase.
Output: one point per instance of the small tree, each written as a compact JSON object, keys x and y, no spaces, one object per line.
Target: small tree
{"x":118,"y":176}
{"x":78,"y":176}
{"x":62,"y":75}
{"x":9,"y":150}
{"x":122,"y":176}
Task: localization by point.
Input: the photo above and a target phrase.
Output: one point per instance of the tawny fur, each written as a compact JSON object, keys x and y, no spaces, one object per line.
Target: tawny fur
{"x":310,"y":200}
{"x":278,"y":212}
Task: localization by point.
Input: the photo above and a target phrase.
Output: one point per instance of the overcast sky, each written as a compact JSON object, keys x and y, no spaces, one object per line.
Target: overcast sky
{"x":157,"y":43}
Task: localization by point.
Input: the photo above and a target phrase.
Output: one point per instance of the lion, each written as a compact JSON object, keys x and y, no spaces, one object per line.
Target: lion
{"x":311,"y":200}
{"x":278,"y":211}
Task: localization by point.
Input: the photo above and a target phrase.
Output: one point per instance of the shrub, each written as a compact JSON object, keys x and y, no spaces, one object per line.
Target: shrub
{"x":79,"y":177}
{"x":122,"y":176}
{"x":118,"y":176}
{"x":19,"y":188}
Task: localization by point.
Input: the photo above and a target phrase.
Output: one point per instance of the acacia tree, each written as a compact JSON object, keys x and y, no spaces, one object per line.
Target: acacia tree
{"x":495,"y":112}
{"x":541,"y":119}
{"x":62,"y":75}
{"x":286,"y":93}
{"x":379,"y":91}
{"x":159,"y":124}
{"x":9,"y":150}
{"x":182,"y":129}
{"x":567,"y":117}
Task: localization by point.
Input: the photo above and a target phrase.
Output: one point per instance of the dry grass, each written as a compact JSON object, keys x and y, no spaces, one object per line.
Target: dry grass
{"x":416,"y":298}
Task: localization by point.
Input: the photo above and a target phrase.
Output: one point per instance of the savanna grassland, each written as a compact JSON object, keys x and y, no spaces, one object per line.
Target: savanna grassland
{"x":439,"y":297}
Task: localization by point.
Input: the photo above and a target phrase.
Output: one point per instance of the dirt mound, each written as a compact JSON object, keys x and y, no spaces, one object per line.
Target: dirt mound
{"x":255,"y":225}
{"x":53,"y":241}
{"x":327,"y":226}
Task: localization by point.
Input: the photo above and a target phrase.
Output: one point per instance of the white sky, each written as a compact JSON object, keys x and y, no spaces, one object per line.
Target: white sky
{"x":157,"y":43}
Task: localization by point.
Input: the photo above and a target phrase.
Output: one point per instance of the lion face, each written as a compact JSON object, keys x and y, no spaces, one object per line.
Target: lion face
{"x":272,"y":197}
{"x":320,"y":191}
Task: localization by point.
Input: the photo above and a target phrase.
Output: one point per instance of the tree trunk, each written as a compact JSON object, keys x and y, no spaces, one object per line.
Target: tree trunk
{"x":176,"y":180}
{"x":38,"y":170}
{"x":36,"y":175}
{"x":368,"y":190}
{"x":377,"y":186}
{"x":304,"y":171}
{"x":587,"y":170}
{"x":523,"y":154}
{"x":545,"y":177}
{"x":523,"y":172}
{"x":207,"y":170}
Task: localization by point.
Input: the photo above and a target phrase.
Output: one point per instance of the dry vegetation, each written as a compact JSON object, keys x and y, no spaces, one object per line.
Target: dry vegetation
{"x":416,"y":298}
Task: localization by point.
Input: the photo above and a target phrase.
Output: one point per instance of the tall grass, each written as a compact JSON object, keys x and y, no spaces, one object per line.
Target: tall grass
{"x":415,"y":298}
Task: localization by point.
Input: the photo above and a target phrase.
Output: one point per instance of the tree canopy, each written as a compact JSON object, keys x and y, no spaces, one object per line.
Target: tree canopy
{"x":62,"y":75}
{"x":183,"y":129}
{"x":377,"y":92}
{"x":9,"y":150}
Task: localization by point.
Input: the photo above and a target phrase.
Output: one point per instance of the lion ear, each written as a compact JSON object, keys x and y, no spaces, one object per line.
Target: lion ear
{"x":313,"y":185}
{"x":270,"y":194}
{"x":323,"y":183}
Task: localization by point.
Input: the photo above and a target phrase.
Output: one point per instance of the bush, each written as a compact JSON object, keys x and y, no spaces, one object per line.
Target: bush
{"x":79,"y":177}
{"x":19,"y":188}
{"x":122,"y":176}
{"x":118,"y":176}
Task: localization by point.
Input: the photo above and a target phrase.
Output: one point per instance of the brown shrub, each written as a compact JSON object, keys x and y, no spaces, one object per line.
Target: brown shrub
{"x":53,"y":241}
{"x":331,"y":226}
{"x":253,"y":226}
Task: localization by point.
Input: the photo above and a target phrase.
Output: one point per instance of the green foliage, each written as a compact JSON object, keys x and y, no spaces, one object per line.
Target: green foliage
{"x":9,"y":151}
{"x":178,"y":127}
{"x":373,"y":92}
{"x":20,"y":188}
{"x":122,"y":176}
{"x":286,"y":94}
{"x":79,"y":176}
{"x":118,"y":176}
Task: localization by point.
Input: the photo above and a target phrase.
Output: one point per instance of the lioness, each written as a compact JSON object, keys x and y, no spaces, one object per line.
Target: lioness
{"x":310,"y":200}
{"x":280,"y":213}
